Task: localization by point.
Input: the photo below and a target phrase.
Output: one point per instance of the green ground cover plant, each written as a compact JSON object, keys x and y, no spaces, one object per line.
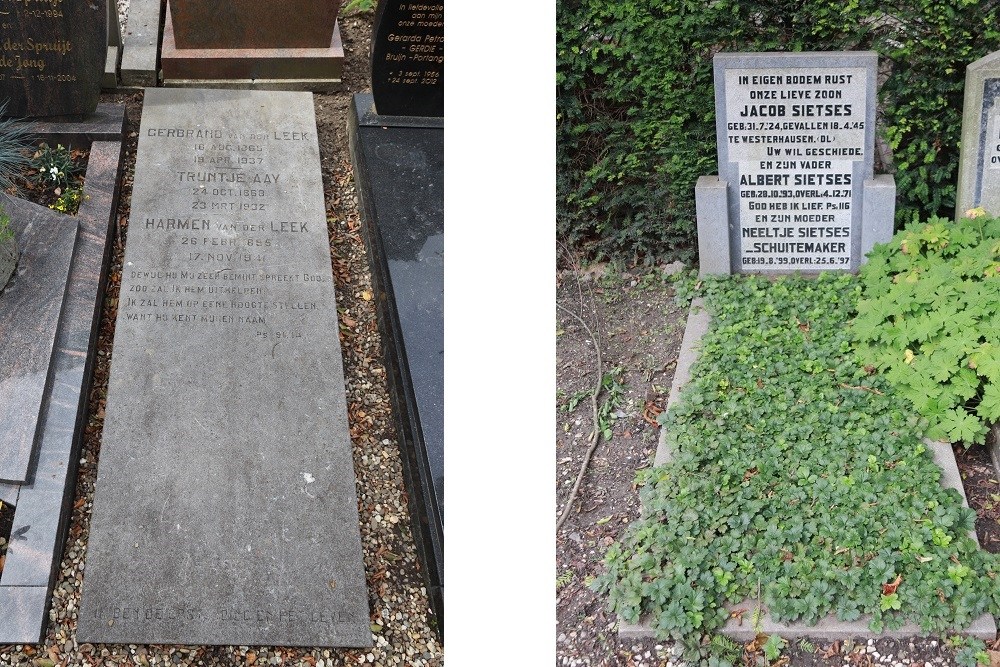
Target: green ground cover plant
{"x":929,"y":318}
{"x":798,"y":481}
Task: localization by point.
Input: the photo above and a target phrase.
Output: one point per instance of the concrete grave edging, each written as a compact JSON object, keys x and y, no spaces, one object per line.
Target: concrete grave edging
{"x":829,"y":627}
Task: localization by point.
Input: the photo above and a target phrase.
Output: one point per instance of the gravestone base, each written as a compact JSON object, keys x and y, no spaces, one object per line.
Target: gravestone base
{"x":42,"y":502}
{"x":399,"y":170}
{"x":264,"y":69}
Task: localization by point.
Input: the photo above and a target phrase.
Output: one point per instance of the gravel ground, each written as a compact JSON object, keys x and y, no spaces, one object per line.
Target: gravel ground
{"x":402,"y":625}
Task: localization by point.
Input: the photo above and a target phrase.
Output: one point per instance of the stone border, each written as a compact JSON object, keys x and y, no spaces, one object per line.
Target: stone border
{"x":830,"y":627}
{"x":141,"y":48}
{"x":44,"y":504}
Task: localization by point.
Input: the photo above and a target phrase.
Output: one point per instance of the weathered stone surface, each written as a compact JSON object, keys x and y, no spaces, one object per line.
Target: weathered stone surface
{"x":8,"y":258}
{"x":408,"y":59}
{"x":399,"y":168}
{"x":29,"y":317}
{"x":141,"y":44}
{"x":253,"y":24}
{"x":795,"y":141}
{"x":225,"y":509}
{"x":287,"y":68}
{"x":64,"y":76}
{"x":979,"y":159}
{"x":42,"y":505}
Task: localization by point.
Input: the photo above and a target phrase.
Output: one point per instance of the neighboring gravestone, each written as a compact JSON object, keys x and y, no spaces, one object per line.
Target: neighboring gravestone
{"x":795,"y":190}
{"x":979,"y":162}
{"x":225,"y":509}
{"x":408,"y":59}
{"x":252,"y":44}
{"x":52,"y":56}
{"x":29,"y":319}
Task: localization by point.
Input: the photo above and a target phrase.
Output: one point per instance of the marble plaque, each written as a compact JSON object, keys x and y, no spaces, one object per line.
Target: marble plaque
{"x":225,"y":508}
{"x":408,"y":59}
{"x":795,"y":137}
{"x":52,"y":56}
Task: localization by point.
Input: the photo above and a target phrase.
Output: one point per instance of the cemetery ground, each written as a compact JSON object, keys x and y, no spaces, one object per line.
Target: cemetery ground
{"x":402,"y":625}
{"x":632,"y":320}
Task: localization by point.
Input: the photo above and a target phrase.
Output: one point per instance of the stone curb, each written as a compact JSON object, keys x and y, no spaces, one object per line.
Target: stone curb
{"x":828,"y":628}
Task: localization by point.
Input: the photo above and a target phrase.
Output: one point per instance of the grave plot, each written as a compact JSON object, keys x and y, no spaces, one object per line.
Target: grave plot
{"x":397,"y":148}
{"x":225,"y":508}
{"x":787,"y":460}
{"x":49,"y":315}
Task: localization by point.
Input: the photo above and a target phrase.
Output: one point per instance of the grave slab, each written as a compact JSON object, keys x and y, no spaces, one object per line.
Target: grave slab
{"x":252,"y":67}
{"x":64,"y":76}
{"x":141,"y":44}
{"x":29,"y":318}
{"x":225,"y":508}
{"x":42,"y":507}
{"x":399,"y":169}
{"x":830,"y":627}
{"x":256,"y":24}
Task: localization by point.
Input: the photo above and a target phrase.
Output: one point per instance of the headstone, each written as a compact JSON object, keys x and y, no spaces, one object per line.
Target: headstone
{"x":292,"y":45}
{"x":795,"y":190}
{"x":259,"y":24}
{"x":52,"y":56}
{"x":408,"y":59}
{"x":42,"y":502}
{"x":225,"y":509}
{"x":979,"y":161}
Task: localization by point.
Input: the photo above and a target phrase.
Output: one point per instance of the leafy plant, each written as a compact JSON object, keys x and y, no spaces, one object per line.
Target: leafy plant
{"x":564,"y":579}
{"x":55,"y":166}
{"x":797,"y":477}
{"x":15,"y":144}
{"x":6,"y":233}
{"x":358,"y":7}
{"x":614,"y":392}
{"x":930,"y":319}
{"x":969,"y":651}
{"x":69,"y":200}
{"x":772,"y":647}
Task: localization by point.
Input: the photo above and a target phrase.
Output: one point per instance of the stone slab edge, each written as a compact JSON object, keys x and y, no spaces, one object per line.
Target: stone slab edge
{"x":24,"y":609}
{"x":140,"y":52}
{"x":830,"y":627}
{"x":428,"y":538}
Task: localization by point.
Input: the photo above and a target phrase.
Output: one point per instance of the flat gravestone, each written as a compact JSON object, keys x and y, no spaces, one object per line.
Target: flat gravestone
{"x":52,"y":56}
{"x":225,"y":508}
{"x":408,"y":59}
{"x":979,"y":161}
{"x":795,"y":190}
{"x":29,"y":318}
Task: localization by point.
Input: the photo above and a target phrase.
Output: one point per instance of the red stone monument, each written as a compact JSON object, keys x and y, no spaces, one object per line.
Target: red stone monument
{"x":291,"y":44}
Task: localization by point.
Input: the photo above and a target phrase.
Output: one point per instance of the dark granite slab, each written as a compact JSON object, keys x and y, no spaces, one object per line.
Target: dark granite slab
{"x":399,"y":169}
{"x":23,"y":612}
{"x":253,"y":24}
{"x":42,"y":507}
{"x":225,"y":509}
{"x":52,"y":56}
{"x":29,"y":316}
{"x":408,"y":59}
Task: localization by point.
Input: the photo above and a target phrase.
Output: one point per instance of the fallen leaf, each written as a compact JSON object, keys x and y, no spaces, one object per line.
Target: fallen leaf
{"x":889,"y":589}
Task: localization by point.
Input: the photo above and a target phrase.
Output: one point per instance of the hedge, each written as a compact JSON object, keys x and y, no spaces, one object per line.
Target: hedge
{"x":636,"y":111}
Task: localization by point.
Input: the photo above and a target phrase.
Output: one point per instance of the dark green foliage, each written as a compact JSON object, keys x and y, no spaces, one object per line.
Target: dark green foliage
{"x":797,"y":477}
{"x":930,"y":319}
{"x":636,"y":112}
